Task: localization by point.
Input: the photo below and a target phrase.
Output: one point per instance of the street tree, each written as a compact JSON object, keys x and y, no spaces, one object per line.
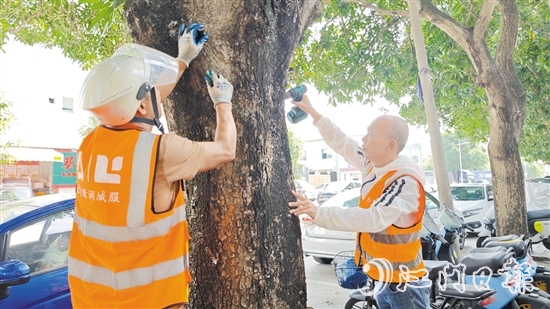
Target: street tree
{"x":479,"y":52}
{"x":246,"y":247}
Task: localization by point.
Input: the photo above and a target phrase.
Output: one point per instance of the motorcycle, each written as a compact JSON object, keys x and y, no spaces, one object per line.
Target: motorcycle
{"x":503,"y":265}
{"x":540,"y":275}
{"x":538,"y":223}
{"x":485,"y":278}
{"x":437,"y":243}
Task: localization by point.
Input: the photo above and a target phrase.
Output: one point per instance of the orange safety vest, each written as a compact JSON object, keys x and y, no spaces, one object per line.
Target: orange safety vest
{"x":395,"y":254}
{"x":121,"y":254}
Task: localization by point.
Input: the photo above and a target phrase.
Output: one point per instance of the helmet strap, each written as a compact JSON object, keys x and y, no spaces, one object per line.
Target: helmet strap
{"x":156,"y":120}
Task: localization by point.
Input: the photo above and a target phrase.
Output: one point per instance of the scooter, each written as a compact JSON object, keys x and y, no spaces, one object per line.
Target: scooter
{"x":505,"y":267}
{"x":538,"y":223}
{"x":499,"y":284}
{"x":522,"y":247}
{"x":437,"y":243}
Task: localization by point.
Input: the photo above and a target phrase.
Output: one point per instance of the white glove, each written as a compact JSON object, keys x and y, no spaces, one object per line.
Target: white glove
{"x":190,"y":42}
{"x":221,"y":90}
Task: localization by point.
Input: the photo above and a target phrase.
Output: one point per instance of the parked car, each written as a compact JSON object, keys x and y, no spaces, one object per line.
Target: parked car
{"x":537,"y":193}
{"x":473,"y":200}
{"x":303,"y":187}
{"x":12,"y":189}
{"x":34,"y":238}
{"x":323,"y":244}
{"x":321,"y":186}
{"x":336,"y":187}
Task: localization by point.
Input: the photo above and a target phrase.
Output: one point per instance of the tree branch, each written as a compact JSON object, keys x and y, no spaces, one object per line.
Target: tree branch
{"x":430,"y":12}
{"x":483,"y":19}
{"x":380,"y":11}
{"x":509,"y":31}
{"x":445,"y":22}
{"x":24,"y":22}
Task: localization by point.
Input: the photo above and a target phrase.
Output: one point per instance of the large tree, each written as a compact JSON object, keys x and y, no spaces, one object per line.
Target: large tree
{"x":246,"y":248}
{"x":363,"y":49}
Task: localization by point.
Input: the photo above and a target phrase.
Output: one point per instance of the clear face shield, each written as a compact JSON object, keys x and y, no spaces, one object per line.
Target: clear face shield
{"x":160,"y":69}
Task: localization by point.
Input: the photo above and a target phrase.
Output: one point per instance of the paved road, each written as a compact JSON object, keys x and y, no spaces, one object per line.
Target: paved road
{"x":324,"y":292}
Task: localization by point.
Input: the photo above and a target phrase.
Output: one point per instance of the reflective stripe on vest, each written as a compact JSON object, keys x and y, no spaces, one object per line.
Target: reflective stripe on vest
{"x":126,"y":279}
{"x":395,"y":254}
{"x":138,"y":187}
{"x":121,"y":253}
{"x":121,"y":233}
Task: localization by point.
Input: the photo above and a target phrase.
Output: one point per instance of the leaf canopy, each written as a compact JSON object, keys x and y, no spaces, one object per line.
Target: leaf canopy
{"x":354,"y":53}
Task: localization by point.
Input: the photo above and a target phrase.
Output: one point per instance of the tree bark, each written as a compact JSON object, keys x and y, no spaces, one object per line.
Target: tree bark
{"x":245,"y":247}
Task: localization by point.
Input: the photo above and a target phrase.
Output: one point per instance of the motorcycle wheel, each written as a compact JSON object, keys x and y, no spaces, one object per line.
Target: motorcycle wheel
{"x":353,"y":303}
{"x":546,"y":243}
{"x":322,"y":260}
{"x":525,"y":301}
{"x":542,"y":281}
{"x":480,"y":241}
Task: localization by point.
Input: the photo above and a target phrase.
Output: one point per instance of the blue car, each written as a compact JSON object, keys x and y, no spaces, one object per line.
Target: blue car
{"x":34,"y":238}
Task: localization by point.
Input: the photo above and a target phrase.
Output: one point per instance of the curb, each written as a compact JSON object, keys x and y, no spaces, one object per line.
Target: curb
{"x":543,"y":259}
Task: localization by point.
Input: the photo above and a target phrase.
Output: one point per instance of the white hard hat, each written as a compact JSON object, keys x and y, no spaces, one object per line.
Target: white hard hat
{"x":113,"y":89}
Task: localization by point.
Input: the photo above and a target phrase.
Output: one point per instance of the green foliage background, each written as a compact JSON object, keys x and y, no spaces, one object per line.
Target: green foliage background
{"x":352,"y":53}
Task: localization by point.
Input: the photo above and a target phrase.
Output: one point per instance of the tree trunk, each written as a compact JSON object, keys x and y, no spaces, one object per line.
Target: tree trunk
{"x":245,"y":247}
{"x":507,"y":106}
{"x":506,"y":168}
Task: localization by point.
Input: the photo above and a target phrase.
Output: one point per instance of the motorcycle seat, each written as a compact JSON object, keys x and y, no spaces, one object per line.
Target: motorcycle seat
{"x":488,"y":249}
{"x":517,"y":244}
{"x":538,"y":214}
{"x":434,"y":267}
{"x":500,"y":238}
{"x":480,"y":262}
{"x":466,"y":291}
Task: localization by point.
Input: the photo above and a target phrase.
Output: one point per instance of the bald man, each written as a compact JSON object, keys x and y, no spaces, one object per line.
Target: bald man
{"x":388,"y":220}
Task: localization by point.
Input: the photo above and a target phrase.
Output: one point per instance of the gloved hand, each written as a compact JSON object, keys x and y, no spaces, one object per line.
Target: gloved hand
{"x":190,"y":41}
{"x":219,"y":88}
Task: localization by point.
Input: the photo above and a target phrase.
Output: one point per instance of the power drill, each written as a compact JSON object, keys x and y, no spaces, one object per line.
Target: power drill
{"x":296,"y":114}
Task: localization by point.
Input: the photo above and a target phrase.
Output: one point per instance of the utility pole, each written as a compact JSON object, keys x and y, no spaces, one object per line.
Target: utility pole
{"x":460,"y":159}
{"x":440,"y":168}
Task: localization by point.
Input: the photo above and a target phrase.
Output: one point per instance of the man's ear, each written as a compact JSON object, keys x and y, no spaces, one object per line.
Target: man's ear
{"x":393,"y":144}
{"x":141,"y":109}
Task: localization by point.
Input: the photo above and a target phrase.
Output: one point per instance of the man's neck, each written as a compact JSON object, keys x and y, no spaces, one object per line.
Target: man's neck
{"x":135,"y":126}
{"x":385,"y":161}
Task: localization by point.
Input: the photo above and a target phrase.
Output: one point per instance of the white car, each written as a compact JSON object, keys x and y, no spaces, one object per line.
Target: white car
{"x":336,"y":187}
{"x":473,"y":200}
{"x":323,"y":244}
{"x":321,"y":186}
{"x":303,"y":187}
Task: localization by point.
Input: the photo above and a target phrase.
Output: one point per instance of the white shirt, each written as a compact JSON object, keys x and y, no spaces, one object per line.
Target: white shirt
{"x":397,"y":205}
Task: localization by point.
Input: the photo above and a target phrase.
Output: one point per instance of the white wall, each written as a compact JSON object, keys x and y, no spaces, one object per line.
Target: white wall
{"x":29,"y":76}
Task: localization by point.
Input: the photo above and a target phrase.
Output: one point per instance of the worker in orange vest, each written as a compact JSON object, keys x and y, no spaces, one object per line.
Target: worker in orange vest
{"x":129,"y":244}
{"x":388,"y":220}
